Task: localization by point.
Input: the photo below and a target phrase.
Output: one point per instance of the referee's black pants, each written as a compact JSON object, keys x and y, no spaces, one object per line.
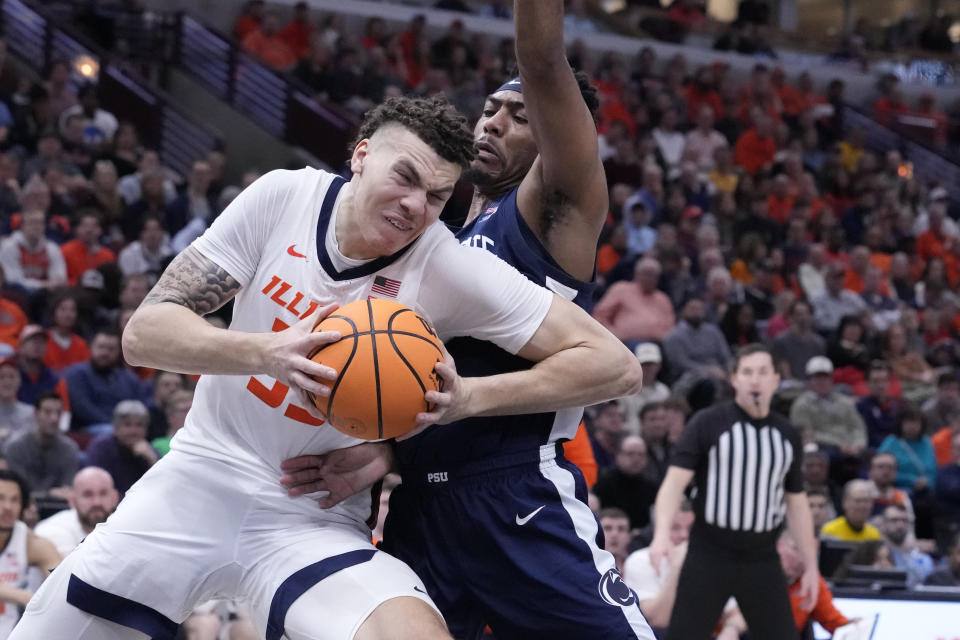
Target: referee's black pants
{"x":710,"y":576}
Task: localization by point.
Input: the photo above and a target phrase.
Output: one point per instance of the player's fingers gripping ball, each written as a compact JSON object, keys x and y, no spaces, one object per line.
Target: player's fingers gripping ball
{"x":386,"y":360}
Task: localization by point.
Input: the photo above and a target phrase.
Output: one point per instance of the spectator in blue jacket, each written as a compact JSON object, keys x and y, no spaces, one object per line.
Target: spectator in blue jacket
{"x":98,"y":385}
{"x":124,"y":452}
{"x":878,"y":410}
{"x":917,"y":467}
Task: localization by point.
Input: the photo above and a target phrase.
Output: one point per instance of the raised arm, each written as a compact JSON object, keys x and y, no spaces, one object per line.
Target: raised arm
{"x":564,"y":196}
{"x":168,"y":331}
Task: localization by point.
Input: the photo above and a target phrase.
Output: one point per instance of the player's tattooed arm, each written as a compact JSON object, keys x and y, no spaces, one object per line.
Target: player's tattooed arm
{"x":194,"y":282}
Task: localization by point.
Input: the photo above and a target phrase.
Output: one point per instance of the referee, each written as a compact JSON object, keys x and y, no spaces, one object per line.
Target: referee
{"x":745,"y":465}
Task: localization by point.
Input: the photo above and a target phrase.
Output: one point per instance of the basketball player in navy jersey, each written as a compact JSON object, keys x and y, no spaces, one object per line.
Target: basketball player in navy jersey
{"x":490,"y":514}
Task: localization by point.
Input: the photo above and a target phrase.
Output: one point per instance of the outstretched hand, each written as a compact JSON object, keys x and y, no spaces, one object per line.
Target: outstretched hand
{"x":286,"y":358}
{"x":341,"y":472}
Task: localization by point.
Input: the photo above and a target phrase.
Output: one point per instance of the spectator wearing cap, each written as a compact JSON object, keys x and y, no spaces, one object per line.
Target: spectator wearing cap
{"x":124,"y":451}
{"x":653,"y":390}
{"x":15,"y":416}
{"x":36,"y":377}
{"x":625,"y":486}
{"x":831,"y":419}
{"x":85,"y":252}
{"x":637,"y":310}
{"x":794,"y":347}
{"x":45,"y":457}
{"x":96,"y":386}
{"x":836,"y":302}
{"x":12,"y":318}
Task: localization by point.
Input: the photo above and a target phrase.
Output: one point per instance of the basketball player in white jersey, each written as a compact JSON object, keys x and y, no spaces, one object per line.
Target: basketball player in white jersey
{"x":20,"y":549}
{"x":210,"y":519}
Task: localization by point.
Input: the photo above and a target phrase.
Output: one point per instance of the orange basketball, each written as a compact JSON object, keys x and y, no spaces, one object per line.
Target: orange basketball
{"x":386,"y":361}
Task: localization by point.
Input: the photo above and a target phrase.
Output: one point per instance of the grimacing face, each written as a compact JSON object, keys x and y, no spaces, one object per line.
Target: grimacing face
{"x":401,"y":186}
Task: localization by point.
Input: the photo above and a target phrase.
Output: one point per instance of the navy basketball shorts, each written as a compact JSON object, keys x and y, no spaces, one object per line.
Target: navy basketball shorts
{"x":511,"y":542}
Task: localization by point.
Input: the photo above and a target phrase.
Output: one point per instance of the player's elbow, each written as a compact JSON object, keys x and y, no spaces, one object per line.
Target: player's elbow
{"x":630,"y":380}
{"x":131,"y":342}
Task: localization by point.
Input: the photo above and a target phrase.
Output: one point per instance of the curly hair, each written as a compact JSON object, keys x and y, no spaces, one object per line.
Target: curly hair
{"x":433,"y":119}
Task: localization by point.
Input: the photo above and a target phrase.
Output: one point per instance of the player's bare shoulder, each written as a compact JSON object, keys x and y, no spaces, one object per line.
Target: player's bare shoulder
{"x":195,"y":282}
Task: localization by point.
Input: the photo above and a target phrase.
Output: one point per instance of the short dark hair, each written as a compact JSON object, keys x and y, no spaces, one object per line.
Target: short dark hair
{"x":749,"y":350}
{"x":612,"y":512}
{"x":110,"y":332}
{"x":798,"y":302}
{"x":649,"y":408}
{"x":677,"y":403}
{"x":433,"y":120}
{"x":46,"y":395}
{"x":9,"y":475}
{"x":878,"y":365}
{"x":818,"y":491}
{"x":948,"y":377}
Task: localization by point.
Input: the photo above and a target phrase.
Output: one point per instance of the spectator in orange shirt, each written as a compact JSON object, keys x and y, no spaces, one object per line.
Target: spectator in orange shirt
{"x":934,"y":242}
{"x":755,"y":149}
{"x":64,"y":347}
{"x":823,"y":611}
{"x":85,"y":252}
{"x":856,"y":269}
{"x":299,"y":30}
{"x":12,"y":318}
{"x":701,"y":92}
{"x":267,"y":44}
{"x":941,"y":440}
{"x":780,"y":201}
{"x":926,"y":108}
{"x":612,"y":251}
{"x":249,"y":21}
{"x":888,"y":108}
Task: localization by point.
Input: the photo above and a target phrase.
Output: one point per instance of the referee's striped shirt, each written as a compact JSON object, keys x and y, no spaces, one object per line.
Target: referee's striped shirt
{"x":742,"y":467}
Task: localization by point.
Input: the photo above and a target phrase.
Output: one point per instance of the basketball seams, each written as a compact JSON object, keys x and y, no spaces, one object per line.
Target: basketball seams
{"x":390,"y":332}
{"x":353,"y":352}
{"x":376,"y":370}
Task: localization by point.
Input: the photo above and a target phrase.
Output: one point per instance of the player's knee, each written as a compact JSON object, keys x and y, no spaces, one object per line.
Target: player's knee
{"x":403,"y":618}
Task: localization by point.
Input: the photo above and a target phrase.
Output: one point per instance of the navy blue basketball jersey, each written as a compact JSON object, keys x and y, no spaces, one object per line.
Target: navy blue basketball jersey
{"x":501,"y":230}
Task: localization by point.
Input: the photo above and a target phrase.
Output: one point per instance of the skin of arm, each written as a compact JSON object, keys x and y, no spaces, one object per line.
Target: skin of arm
{"x":568,"y":169}
{"x":168,"y":332}
{"x":665,"y":508}
{"x":578,"y":363}
{"x":800,"y":523}
{"x":657,"y":609}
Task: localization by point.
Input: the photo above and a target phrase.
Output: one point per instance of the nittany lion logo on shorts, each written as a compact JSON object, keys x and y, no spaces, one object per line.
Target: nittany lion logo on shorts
{"x":615,"y":591}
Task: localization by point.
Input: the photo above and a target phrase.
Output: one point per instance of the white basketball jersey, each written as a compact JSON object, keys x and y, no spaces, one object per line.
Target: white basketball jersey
{"x":277,"y":240}
{"x":13,"y":573}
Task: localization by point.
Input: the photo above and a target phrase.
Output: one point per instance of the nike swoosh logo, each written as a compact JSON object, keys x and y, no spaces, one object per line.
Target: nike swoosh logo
{"x":523,"y":521}
{"x":293,"y":251}
{"x":416,"y":588}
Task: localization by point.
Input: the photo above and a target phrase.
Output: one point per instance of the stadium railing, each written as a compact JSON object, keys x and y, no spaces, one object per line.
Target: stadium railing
{"x":36,"y":39}
{"x":273,"y":100}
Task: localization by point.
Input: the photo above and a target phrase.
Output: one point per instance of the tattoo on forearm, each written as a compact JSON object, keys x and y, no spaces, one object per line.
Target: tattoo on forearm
{"x":194,"y":282}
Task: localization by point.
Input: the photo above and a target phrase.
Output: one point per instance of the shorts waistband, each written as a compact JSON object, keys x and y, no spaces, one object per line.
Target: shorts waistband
{"x":438,"y":475}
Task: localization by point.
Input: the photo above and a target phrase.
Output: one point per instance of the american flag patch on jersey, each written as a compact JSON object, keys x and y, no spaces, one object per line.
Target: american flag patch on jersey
{"x":385,"y":287}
